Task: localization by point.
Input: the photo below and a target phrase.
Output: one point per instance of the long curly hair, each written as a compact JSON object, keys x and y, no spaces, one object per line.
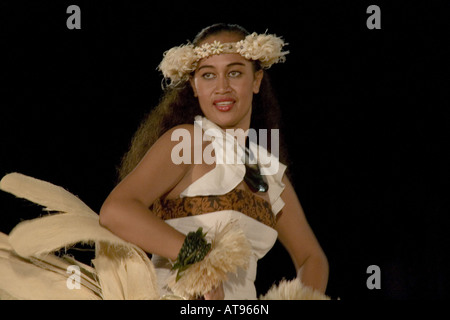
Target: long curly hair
{"x":179,"y":106}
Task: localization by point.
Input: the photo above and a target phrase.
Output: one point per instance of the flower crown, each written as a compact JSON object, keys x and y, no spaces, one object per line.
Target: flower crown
{"x":181,"y":61}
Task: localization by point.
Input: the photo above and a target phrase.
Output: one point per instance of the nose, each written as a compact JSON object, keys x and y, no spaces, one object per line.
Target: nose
{"x":222,"y":85}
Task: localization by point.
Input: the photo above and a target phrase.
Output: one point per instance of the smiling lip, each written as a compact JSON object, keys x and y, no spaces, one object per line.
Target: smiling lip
{"x":224,"y":105}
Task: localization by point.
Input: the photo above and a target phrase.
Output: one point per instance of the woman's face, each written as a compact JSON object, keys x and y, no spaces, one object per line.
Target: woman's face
{"x":224,"y":85}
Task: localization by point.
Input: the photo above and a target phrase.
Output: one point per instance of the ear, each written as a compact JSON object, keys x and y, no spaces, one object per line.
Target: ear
{"x":257,"y":81}
{"x":191,"y":80}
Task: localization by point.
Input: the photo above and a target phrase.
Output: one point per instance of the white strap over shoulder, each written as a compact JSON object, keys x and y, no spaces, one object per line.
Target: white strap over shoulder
{"x":229,"y":171}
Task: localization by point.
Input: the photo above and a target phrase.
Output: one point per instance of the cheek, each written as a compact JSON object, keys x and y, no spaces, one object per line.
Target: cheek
{"x":245,"y":91}
{"x":202,"y":89}
{"x":203,"y":95}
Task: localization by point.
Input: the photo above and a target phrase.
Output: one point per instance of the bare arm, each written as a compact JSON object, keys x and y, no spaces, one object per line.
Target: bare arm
{"x":297,"y":237}
{"x":126,"y":211}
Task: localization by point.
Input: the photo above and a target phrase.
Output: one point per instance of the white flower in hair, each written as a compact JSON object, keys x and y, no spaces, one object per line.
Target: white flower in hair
{"x":242,"y":47}
{"x":216,"y":47}
{"x":265,"y":48}
{"x":203,"y":51}
{"x":178,"y":63}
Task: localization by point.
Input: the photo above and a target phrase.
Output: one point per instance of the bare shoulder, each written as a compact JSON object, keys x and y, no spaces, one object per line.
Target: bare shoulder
{"x":175,"y":134}
{"x":186,"y":127}
{"x":159,"y":171}
{"x":172,"y":136}
{"x":184,"y":136}
{"x":188,"y":151}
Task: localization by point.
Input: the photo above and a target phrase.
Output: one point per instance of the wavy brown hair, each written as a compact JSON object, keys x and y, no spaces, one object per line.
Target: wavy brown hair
{"x":179,"y":106}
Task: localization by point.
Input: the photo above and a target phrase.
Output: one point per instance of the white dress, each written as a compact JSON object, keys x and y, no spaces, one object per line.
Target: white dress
{"x":219,"y":181}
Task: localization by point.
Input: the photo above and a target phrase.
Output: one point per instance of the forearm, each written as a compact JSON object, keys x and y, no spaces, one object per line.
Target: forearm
{"x":314,"y":272}
{"x":133,"y":222}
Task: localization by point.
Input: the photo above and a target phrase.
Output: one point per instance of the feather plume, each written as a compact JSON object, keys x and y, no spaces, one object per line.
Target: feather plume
{"x":293,"y":290}
{"x":125,"y":274}
{"x":50,"y":196}
{"x":38,"y":279}
{"x":47,"y":234}
{"x":122,"y":270}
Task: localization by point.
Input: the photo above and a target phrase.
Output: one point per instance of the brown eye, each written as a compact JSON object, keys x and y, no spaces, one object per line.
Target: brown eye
{"x":234,"y":74}
{"x":208,"y":75}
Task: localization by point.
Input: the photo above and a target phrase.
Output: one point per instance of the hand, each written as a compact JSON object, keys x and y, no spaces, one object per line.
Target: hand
{"x":215,"y":294}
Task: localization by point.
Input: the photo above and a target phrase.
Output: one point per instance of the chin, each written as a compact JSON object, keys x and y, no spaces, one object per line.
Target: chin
{"x":224,"y":120}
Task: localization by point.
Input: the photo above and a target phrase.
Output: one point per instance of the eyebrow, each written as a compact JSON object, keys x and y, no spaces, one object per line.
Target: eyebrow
{"x":228,"y":65}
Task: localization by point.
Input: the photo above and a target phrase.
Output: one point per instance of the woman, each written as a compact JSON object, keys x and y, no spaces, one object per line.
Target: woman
{"x":223,"y":81}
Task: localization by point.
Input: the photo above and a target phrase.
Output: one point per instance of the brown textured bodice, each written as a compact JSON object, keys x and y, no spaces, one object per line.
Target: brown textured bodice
{"x":237,"y":199}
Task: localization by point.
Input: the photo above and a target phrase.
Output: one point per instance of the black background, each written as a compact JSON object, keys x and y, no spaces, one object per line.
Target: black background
{"x":365,"y":115}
